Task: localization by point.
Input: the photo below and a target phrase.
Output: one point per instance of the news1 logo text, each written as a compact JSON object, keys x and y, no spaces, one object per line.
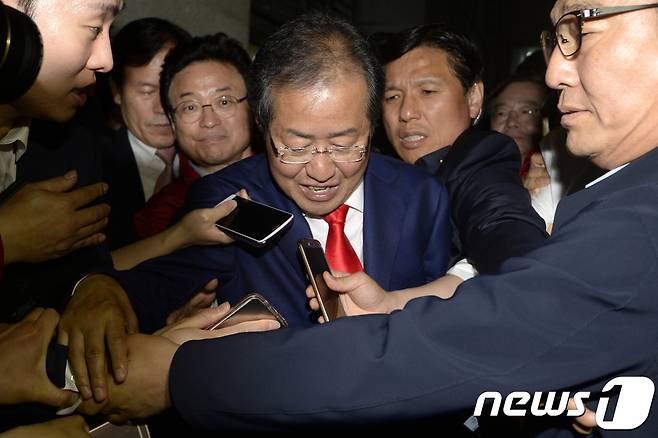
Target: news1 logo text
{"x":635,"y":394}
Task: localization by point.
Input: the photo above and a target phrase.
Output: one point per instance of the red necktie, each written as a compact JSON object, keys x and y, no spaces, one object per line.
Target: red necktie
{"x":340,"y":254}
{"x":167,"y":157}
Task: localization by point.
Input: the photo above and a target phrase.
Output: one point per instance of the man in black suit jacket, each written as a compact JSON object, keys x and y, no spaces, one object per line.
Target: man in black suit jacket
{"x":433,"y":94}
{"x":568,"y":316}
{"x":131,"y":167}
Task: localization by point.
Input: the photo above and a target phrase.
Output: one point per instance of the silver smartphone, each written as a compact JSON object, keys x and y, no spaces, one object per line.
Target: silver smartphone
{"x":109,"y":430}
{"x":252,"y":222}
{"x":250,"y":308}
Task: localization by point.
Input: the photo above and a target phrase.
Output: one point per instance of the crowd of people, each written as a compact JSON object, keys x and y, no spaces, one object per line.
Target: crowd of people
{"x":470,"y":259}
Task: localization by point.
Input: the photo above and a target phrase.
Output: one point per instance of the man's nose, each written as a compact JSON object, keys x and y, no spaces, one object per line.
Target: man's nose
{"x":409,"y":109}
{"x":321,"y":167}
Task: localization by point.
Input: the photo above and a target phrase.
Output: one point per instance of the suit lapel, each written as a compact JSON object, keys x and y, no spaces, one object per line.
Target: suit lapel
{"x":383,"y":212}
{"x":640,"y":171}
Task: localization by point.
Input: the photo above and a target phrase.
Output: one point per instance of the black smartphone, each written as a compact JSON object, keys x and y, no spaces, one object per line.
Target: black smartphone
{"x":250,"y":308}
{"x":315,"y":263}
{"x":253,"y":222}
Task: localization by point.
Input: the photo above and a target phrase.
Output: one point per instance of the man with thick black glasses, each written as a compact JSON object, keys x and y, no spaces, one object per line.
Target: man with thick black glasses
{"x":569,"y":316}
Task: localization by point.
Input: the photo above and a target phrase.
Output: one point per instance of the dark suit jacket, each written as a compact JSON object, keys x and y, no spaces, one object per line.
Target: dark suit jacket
{"x":53,"y":149}
{"x":125,"y":194}
{"x":569,"y":315}
{"x":406,"y":243}
{"x":491,"y":212}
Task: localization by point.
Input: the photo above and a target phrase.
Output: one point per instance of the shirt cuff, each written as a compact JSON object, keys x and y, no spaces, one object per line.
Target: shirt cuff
{"x":463,"y":270}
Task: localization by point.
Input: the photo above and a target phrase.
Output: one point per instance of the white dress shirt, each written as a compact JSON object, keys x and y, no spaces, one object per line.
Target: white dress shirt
{"x":353,"y":223}
{"x":12,"y":147}
{"x":149,"y":165}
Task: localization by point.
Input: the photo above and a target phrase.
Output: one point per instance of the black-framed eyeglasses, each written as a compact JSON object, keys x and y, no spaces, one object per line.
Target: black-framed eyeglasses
{"x":190,"y":111}
{"x":567,"y":34}
{"x":304,"y":154}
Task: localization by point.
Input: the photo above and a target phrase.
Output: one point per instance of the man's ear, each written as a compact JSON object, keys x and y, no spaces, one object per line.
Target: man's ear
{"x":475,"y":98}
{"x":116,"y":96}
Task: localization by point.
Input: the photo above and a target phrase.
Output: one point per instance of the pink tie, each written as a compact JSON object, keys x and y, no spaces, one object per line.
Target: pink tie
{"x":167,"y":157}
{"x":340,"y":254}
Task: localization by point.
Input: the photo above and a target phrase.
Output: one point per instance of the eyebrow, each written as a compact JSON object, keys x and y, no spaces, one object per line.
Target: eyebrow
{"x":189,"y":93}
{"x":576,"y":5}
{"x":419,"y":81}
{"x":349,"y":131}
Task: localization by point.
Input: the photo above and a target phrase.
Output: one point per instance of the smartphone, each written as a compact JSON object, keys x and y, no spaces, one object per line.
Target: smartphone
{"x":250,"y":308}
{"x":252,"y":222}
{"x":109,"y":430}
{"x":315,"y":263}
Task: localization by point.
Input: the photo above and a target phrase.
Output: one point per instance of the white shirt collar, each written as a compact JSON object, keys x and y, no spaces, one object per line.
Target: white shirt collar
{"x":137,"y":143}
{"x":20,"y":133}
{"x":607,"y":174}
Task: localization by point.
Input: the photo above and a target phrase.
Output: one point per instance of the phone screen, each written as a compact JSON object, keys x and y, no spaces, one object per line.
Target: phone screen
{"x":316,"y":263}
{"x":254,"y":220}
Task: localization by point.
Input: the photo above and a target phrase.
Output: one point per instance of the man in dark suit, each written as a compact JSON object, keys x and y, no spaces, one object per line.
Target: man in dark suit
{"x":433,"y":94}
{"x":569,"y":316}
{"x":140,"y":159}
{"x":318,"y":162}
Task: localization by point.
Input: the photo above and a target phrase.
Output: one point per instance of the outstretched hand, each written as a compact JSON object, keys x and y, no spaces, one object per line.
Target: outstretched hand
{"x":359,"y":294}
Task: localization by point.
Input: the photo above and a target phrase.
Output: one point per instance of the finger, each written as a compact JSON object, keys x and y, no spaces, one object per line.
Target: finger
{"x":536,"y":160}
{"x":201,"y":320}
{"x":129,"y":318}
{"x":78,"y":364}
{"x":59,"y":184}
{"x":116,"y":344}
{"x":243,"y":194}
{"x":90,"y":216}
{"x":202,"y":300}
{"x":314,"y":304}
{"x":84,"y":195}
{"x":261,"y":325}
{"x":33,"y":316}
{"x":321,"y":319}
{"x":94,"y":240}
{"x":310,"y":293}
{"x":47,"y":323}
{"x":211,"y":285}
{"x":95,"y":358}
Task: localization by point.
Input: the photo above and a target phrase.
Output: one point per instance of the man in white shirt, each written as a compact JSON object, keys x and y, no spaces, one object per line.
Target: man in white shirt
{"x":141,"y":158}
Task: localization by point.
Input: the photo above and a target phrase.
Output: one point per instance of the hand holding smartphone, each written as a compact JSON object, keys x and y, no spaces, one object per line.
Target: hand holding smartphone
{"x":315,"y":263}
{"x":252,"y":307}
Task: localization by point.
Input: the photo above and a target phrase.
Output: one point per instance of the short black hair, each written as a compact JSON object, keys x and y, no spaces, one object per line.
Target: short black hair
{"x":218,"y":47}
{"x":139,"y":41}
{"x":308,"y":50}
{"x":27,"y":6}
{"x":463,"y":53}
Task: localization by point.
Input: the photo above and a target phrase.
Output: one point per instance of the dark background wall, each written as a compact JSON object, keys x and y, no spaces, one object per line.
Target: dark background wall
{"x":506,"y":29}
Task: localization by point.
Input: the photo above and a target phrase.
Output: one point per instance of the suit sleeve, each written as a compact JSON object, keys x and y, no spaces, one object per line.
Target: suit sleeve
{"x":158,"y":286}
{"x":576,"y":310}
{"x":490,"y":207}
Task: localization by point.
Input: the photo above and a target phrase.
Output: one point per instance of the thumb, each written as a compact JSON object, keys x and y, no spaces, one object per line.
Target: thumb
{"x":49,"y":394}
{"x":221,"y":210}
{"x":59,"y":184}
{"x":536,"y":160}
{"x":344,"y":284}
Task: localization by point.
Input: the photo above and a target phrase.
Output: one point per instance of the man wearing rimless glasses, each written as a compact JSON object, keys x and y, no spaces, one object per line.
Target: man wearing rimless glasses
{"x":569,"y":316}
